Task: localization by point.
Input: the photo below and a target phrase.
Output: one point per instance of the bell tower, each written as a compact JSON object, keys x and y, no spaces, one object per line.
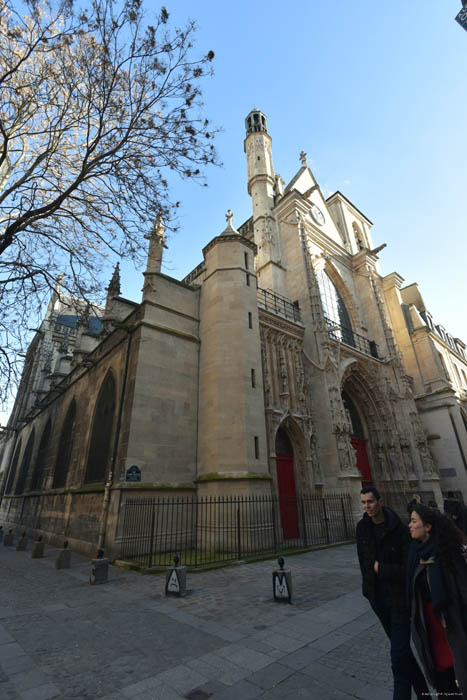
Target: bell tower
{"x":262,"y":187}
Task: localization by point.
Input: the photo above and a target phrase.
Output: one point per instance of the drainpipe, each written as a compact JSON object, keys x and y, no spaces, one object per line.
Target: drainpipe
{"x":108,"y":486}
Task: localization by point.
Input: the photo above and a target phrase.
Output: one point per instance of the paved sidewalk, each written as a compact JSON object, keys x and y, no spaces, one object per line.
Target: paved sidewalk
{"x":228,"y":640}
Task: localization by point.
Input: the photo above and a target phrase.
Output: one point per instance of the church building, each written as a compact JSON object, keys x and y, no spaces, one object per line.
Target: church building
{"x":273,"y":368}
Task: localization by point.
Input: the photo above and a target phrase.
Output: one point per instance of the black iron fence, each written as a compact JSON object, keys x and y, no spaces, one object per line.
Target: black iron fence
{"x":349,"y":337}
{"x":222,"y":529}
{"x":277,"y":304}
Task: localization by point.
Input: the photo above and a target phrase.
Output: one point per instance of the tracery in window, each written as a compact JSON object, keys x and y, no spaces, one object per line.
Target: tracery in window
{"x":334,"y":309}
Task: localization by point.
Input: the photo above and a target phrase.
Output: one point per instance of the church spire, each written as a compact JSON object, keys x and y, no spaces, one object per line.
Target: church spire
{"x":113,"y":290}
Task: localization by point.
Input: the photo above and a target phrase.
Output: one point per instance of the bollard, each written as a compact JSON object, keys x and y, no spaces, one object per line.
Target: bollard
{"x":38,"y":549}
{"x":175,"y":581}
{"x":100,"y":568}
{"x":63,"y":558}
{"x":22,"y":543}
{"x":282,"y":583}
{"x":8,"y":540}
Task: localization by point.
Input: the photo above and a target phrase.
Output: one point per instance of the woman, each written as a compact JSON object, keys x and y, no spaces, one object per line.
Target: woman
{"x":437,"y":589}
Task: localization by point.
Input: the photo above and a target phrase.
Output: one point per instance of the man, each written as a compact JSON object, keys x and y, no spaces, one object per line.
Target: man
{"x":382,"y":545}
{"x":454,"y":509}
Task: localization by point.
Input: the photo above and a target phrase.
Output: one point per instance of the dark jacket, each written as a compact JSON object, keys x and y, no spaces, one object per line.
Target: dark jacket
{"x":392,"y":558}
{"x":454,"y":616}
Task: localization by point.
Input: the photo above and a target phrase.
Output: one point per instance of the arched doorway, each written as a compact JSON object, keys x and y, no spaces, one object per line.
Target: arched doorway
{"x":286,"y":485}
{"x":358,"y":440}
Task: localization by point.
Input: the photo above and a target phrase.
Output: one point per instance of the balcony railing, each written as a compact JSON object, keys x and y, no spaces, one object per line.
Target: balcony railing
{"x":352,"y":339}
{"x":277,"y":304}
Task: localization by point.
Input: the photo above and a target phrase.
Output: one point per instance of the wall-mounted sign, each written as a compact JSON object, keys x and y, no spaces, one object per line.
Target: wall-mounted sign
{"x":133,"y":473}
{"x":462,"y":18}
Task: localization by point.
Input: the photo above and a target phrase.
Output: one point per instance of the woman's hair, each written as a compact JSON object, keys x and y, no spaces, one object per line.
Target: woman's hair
{"x":448,"y":539}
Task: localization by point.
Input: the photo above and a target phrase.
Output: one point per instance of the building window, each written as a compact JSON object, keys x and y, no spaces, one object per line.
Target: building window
{"x":37,"y":475}
{"x":253,"y":378}
{"x":99,"y":450}
{"x":445,"y":369}
{"x":247,"y":279}
{"x":256,"y":447}
{"x":13,"y":466}
{"x":246,"y":260}
{"x":65,"y":447}
{"x":23,"y":472}
{"x":334,"y":308}
{"x":250,"y":320}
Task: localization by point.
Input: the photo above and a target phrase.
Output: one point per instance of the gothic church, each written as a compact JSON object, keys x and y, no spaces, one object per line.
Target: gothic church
{"x":272,"y":368}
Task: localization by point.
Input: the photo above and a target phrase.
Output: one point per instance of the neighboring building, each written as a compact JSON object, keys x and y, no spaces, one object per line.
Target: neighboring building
{"x":271,"y":369}
{"x":438,"y":364}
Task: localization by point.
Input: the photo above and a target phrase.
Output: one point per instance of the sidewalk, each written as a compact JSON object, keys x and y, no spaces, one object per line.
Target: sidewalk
{"x":228,"y":640}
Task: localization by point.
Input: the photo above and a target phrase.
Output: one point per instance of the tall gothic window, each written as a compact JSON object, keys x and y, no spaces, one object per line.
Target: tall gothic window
{"x":334,"y":310}
{"x":13,"y":467}
{"x":37,"y":475}
{"x":65,"y":447}
{"x":99,"y":450}
{"x":23,"y":472}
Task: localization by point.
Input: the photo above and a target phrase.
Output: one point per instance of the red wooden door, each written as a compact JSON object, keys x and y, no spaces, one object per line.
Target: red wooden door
{"x":287,"y":496}
{"x":359,"y":445}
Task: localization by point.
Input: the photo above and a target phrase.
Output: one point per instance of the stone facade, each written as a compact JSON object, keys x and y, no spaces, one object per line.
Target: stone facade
{"x":274,"y":368}
{"x":437,"y":362}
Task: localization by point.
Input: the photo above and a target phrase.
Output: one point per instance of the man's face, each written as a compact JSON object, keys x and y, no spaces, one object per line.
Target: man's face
{"x":371,"y":505}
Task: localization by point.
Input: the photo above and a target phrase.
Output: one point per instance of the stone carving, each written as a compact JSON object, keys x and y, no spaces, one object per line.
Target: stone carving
{"x":347,"y":457}
{"x":382,"y":463}
{"x":315,"y":463}
{"x":407,"y":458}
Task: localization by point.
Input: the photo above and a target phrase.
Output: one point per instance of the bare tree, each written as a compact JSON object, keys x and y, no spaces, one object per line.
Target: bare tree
{"x":96,"y":107}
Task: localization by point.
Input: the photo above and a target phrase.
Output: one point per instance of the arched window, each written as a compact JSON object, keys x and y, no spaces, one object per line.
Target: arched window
{"x":13,"y":467}
{"x":99,"y":449}
{"x":443,"y":364}
{"x":36,"y":481}
{"x":283,"y":444}
{"x":65,"y":447}
{"x":359,"y":237}
{"x":23,"y":472}
{"x":334,"y":309}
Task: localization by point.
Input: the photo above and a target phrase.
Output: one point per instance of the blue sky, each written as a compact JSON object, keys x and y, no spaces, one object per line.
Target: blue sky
{"x":375,"y":93}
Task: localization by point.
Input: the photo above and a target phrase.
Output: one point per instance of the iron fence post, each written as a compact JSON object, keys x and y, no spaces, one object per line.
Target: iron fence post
{"x":345,"y":518}
{"x":239,"y":547}
{"x":326,"y":520}
{"x":151,"y":541}
{"x":274,"y":532}
{"x":303,"y":522}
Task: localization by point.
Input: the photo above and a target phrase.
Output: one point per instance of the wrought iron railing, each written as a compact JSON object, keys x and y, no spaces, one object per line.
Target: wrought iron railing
{"x":352,"y":339}
{"x":213,"y":530}
{"x":277,"y":304}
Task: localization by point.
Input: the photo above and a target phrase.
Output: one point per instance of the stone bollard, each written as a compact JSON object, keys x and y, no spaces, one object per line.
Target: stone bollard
{"x":63,"y":558}
{"x":22,"y":543}
{"x":175,"y":581}
{"x":282,"y":583}
{"x":9,"y":539}
{"x":99,"y":568}
{"x":1,"y":533}
{"x":38,"y":549}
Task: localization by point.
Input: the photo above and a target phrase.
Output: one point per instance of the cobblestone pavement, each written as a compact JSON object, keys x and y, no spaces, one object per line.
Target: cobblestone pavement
{"x":227,"y":639}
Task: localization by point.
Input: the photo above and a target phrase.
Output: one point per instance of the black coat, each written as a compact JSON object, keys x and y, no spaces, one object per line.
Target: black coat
{"x":392,"y":559}
{"x":455,"y":616}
